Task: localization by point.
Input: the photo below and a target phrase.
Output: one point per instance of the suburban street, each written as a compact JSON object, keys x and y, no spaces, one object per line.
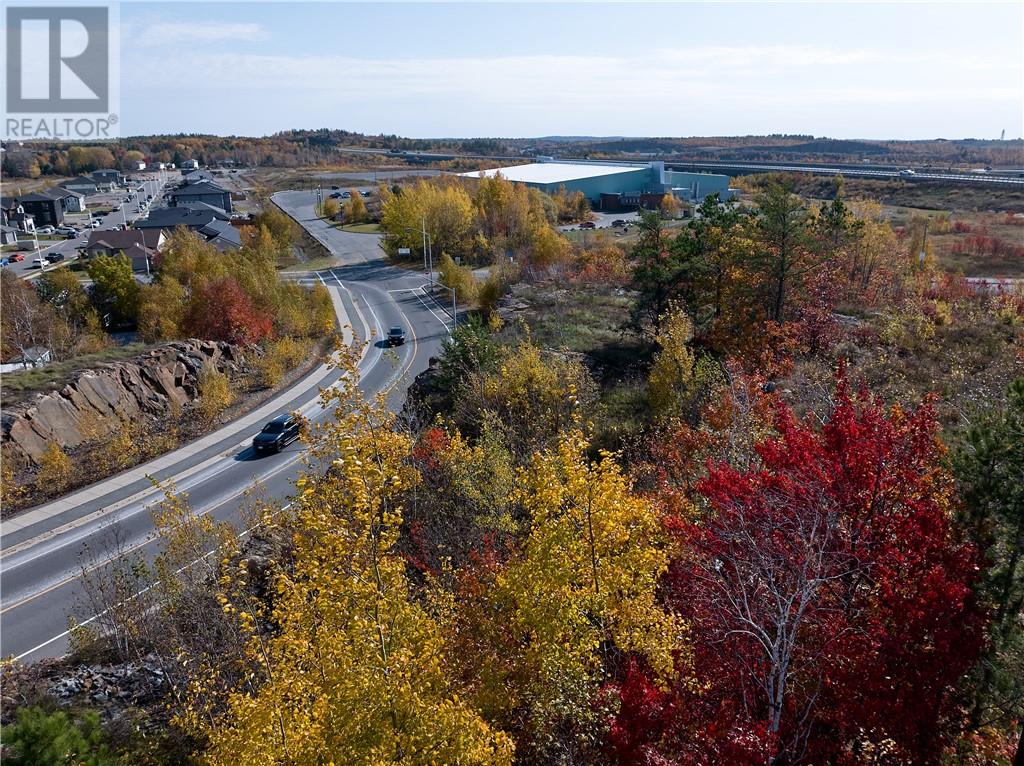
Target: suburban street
{"x":40,"y":580}
{"x":70,"y":247}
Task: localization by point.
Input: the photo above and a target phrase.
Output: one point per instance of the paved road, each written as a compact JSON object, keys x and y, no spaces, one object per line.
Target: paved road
{"x":39,"y":562}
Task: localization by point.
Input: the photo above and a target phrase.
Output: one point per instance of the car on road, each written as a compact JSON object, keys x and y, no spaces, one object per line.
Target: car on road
{"x":618,"y":222}
{"x":94,"y":224}
{"x":396,"y":336}
{"x":276,"y":435}
{"x":55,"y":257}
{"x":16,"y":258}
{"x":71,"y":235}
{"x":66,"y":230}
{"x":38,"y":263}
{"x":907,"y":172}
{"x":335,"y":187}
{"x":588,"y":225}
{"x":345,"y":195}
{"x":44,"y":230}
{"x":4,"y":262}
{"x":336,"y":195}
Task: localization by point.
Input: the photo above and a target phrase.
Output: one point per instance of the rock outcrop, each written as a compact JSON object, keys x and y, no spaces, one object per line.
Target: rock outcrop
{"x":98,"y":401}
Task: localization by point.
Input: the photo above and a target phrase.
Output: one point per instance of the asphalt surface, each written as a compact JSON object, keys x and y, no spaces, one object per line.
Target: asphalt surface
{"x":40,"y":565}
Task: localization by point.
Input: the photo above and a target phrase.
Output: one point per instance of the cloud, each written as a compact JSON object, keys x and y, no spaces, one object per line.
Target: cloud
{"x":177,"y":33}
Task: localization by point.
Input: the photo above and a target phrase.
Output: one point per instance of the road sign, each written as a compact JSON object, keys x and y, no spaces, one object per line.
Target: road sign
{"x":404,"y":251}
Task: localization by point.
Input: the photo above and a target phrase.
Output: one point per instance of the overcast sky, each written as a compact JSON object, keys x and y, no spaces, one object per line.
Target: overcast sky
{"x":860,"y":70}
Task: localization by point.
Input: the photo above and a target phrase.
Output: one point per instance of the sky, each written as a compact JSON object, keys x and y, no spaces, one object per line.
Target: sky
{"x":858,"y":70}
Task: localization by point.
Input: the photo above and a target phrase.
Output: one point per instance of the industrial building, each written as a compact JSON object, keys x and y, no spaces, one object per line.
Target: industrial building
{"x":614,"y":186}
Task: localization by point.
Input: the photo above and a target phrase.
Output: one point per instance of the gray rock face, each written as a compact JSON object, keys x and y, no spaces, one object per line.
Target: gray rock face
{"x":96,"y":402}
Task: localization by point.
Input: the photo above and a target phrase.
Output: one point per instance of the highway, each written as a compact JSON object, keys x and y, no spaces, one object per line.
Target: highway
{"x":739,"y":168}
{"x":41,"y":550}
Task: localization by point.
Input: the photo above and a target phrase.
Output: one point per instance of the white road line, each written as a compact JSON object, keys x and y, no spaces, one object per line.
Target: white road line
{"x":135,"y":595}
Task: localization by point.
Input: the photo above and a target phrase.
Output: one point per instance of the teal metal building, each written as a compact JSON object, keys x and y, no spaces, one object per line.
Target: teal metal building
{"x":595,"y":179}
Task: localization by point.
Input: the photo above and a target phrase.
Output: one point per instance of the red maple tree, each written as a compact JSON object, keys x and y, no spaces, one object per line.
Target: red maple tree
{"x":829,"y":601}
{"x":222,"y":310}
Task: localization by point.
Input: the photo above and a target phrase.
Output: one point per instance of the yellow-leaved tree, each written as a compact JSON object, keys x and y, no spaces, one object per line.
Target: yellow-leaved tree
{"x":352,"y":671}
{"x":673,"y":366}
{"x":540,"y":637}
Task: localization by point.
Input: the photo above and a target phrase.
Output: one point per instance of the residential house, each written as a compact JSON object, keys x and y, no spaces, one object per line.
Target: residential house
{"x":71,"y":201}
{"x":139,"y":245}
{"x":108,"y":178}
{"x":45,"y":209}
{"x":81,"y":184}
{"x":209,"y":222}
{"x":192,"y":176}
{"x":201,"y":191}
{"x":12,"y":213}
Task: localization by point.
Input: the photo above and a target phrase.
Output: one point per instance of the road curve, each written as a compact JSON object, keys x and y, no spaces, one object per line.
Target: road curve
{"x":40,"y":578}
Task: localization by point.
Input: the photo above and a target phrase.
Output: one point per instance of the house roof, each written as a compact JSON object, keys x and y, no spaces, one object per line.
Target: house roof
{"x":78,"y":181}
{"x":193,"y":176}
{"x":222,"y":234}
{"x":37,"y":197}
{"x":117,"y":240}
{"x":199,"y":187}
{"x":59,"y":192}
{"x":191,"y":216}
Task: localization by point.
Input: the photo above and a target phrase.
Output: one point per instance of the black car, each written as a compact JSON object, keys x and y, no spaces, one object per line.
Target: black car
{"x":277,"y":434}
{"x":336,"y":195}
{"x":396,"y":336}
{"x":55,"y":257}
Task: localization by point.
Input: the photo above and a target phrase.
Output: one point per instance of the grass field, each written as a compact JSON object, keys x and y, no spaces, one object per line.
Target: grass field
{"x":53,"y":375}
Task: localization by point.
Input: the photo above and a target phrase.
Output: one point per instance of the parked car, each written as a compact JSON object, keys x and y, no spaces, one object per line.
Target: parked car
{"x":618,"y":222}
{"x":16,"y":258}
{"x":345,"y":195}
{"x":276,"y":435}
{"x":588,"y":225}
{"x":71,"y":235}
{"x":94,"y":224}
{"x":38,"y":263}
{"x":4,"y":262}
{"x":44,"y":230}
{"x":396,"y":336}
{"x":335,"y":187}
{"x":336,"y":195}
{"x":55,"y":257}
{"x":66,"y":230}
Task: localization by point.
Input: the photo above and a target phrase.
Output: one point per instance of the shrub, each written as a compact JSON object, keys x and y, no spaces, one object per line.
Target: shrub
{"x":459,"y":278}
{"x":56,"y":470}
{"x":214,"y":393}
{"x":38,"y":738}
{"x":281,"y":355}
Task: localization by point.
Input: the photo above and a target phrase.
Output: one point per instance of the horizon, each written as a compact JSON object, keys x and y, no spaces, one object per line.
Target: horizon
{"x":427,"y":70}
